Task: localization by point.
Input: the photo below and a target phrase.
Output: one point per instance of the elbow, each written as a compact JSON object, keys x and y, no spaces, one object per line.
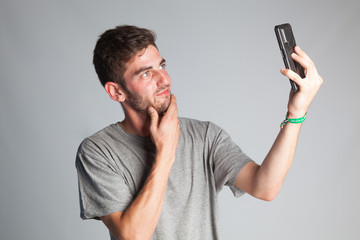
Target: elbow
{"x":135,"y":234}
{"x":123,"y":229}
{"x":132,"y":236}
{"x":267,"y":195}
{"x":268,"y":191}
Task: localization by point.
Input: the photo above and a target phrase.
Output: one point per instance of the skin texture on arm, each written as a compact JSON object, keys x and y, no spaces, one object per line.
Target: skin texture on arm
{"x":264,"y":181}
{"x":145,"y":210}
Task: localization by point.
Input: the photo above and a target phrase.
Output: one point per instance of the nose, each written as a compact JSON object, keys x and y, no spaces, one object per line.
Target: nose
{"x":162,"y":78}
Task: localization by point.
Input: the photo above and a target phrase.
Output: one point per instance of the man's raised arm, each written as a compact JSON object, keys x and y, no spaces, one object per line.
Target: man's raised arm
{"x":265,"y":181}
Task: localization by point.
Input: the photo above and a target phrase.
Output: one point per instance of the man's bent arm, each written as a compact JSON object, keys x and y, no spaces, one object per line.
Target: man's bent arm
{"x":139,"y":220}
{"x":265,"y":181}
{"x":141,"y":217}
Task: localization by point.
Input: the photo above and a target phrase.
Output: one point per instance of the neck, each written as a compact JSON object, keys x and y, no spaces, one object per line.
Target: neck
{"x":137,"y":123}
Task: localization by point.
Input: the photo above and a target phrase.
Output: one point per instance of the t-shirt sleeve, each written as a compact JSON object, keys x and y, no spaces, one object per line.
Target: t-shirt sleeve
{"x":228,"y":159}
{"x":102,"y":188}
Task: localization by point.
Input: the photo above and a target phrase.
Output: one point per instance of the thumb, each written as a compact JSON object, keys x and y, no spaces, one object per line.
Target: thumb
{"x":154,"y":117}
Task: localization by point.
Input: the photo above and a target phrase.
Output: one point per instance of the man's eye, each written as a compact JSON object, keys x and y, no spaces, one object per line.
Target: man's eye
{"x":162,"y":66}
{"x":145,"y":74}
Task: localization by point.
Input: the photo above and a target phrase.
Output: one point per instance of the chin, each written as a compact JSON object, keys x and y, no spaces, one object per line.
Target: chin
{"x":162,"y":108}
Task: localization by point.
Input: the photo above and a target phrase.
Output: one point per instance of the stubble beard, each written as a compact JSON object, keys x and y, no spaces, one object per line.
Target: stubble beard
{"x":141,"y":104}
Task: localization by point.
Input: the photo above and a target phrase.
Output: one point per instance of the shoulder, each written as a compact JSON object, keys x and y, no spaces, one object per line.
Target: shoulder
{"x":191,"y":125}
{"x":200,"y":128}
{"x":95,"y":143}
{"x":194,"y":122}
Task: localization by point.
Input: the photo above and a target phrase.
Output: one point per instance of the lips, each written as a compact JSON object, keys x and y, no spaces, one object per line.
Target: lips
{"x":164,"y":92}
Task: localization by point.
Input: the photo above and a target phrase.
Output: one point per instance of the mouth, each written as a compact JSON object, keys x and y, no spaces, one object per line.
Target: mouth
{"x":163,"y":92}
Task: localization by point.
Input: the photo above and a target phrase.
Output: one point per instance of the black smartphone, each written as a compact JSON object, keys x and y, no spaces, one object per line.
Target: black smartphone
{"x":287,"y":43}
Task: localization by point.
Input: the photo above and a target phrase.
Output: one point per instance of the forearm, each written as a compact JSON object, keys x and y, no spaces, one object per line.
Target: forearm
{"x":141,"y":217}
{"x":146,"y":209}
{"x":272,"y":172}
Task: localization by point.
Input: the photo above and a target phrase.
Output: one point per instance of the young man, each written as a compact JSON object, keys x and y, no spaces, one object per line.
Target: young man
{"x":155,"y":175}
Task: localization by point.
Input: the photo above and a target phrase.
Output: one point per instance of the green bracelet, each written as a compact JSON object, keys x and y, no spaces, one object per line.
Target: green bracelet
{"x":292,"y":120}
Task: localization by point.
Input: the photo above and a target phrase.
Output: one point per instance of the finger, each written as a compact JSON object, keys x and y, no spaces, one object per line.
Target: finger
{"x":302,"y":57}
{"x":301,"y":53}
{"x":302,"y":61}
{"x":291,"y":75}
{"x":154,"y":118}
{"x":172,"y":106}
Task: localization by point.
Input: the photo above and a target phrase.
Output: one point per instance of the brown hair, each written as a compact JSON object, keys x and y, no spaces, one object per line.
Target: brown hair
{"x":115,"y":48}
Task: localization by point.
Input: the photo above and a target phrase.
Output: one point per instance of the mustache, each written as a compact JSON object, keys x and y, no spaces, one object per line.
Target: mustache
{"x":162,"y":88}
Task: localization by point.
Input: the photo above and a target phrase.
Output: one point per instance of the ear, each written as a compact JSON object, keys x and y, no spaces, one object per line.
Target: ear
{"x":115,"y":91}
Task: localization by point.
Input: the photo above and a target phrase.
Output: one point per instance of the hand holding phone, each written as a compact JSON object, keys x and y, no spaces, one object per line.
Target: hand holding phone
{"x":287,"y":43}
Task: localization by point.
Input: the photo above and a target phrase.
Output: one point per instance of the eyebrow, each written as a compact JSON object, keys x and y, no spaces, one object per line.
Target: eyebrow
{"x":147,"y":68}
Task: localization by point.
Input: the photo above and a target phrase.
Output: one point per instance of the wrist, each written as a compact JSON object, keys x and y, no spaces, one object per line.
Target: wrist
{"x":292,"y":115}
{"x":297,"y":120}
{"x":165,"y":156}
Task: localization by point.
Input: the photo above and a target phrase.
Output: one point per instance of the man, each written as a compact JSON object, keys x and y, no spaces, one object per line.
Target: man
{"x":157,"y":176}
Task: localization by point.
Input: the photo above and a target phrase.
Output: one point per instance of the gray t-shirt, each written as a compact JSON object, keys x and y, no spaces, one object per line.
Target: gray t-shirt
{"x":113,"y":164}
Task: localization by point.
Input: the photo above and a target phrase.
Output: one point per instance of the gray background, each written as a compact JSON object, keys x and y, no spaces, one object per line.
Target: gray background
{"x":224,"y":62}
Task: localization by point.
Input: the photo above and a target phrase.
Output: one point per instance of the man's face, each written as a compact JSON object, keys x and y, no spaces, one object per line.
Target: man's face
{"x":147,"y":81}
